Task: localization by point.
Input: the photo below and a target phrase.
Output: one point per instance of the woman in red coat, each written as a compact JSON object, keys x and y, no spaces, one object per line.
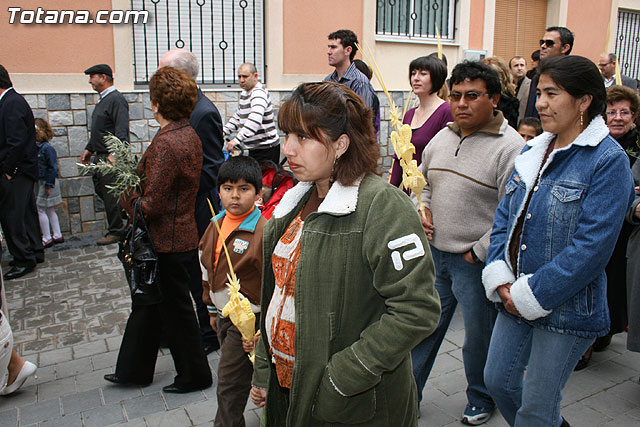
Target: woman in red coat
{"x":171,"y":172}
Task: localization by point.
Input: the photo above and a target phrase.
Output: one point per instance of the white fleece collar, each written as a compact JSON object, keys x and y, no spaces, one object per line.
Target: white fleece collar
{"x":340,"y":199}
{"x":528,"y":164}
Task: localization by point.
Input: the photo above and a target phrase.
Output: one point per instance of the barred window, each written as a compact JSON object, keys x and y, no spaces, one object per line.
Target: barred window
{"x":628,"y":43}
{"x":416,"y":18}
{"x":223,"y":34}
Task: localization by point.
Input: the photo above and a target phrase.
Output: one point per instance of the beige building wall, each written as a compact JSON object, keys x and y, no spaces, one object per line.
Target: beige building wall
{"x":590,"y":34}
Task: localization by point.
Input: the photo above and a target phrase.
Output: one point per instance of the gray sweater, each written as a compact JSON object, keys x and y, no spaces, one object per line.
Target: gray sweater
{"x":110,"y":115}
{"x":466,"y":179}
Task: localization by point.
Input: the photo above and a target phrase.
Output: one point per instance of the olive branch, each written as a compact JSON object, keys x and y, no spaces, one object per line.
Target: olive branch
{"x":123,"y":167}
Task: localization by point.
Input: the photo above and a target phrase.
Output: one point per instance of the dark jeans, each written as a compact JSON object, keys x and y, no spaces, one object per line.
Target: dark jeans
{"x":141,"y":340}
{"x":112,"y":207}
{"x":234,"y":375}
{"x":19,"y":220}
{"x":457,"y":281}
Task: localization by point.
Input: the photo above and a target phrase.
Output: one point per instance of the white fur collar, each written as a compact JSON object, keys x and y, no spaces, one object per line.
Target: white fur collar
{"x":528,"y":164}
{"x":340,"y":199}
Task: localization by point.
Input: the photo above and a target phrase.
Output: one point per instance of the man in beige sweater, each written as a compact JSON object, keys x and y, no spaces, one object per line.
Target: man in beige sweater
{"x":466,"y":165}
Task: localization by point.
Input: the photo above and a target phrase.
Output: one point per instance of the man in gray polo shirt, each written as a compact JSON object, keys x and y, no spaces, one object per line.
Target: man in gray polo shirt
{"x":110,"y":115}
{"x":466,"y":165}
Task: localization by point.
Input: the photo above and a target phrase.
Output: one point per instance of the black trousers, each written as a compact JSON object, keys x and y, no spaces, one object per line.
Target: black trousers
{"x":19,"y":220}
{"x":271,"y":153}
{"x":141,"y":340}
{"x":203,"y":217}
{"x":112,"y":207}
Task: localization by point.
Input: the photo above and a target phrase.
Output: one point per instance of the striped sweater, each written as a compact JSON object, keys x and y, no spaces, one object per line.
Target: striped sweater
{"x":253,"y":120}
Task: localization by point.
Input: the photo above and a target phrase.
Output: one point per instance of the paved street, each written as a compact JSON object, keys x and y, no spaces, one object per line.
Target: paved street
{"x":69,"y":315}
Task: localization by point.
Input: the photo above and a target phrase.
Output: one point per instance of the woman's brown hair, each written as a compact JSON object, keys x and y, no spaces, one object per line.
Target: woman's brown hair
{"x":326,"y":110}
{"x":175,"y":93}
{"x":43,"y":130}
{"x":623,"y":93}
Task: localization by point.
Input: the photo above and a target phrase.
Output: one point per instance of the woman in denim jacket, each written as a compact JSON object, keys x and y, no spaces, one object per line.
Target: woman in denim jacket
{"x":553,"y":234}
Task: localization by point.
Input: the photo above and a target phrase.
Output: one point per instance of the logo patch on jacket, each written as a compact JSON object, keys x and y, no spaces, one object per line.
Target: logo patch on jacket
{"x":414,"y":250}
{"x":239,"y":246}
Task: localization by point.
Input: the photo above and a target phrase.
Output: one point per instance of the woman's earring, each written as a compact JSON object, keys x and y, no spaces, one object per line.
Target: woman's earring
{"x":581,"y":119}
{"x":333,"y":171}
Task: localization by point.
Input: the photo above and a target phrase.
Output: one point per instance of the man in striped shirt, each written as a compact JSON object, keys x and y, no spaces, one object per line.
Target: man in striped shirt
{"x":253,"y":122}
{"x":341,"y":51}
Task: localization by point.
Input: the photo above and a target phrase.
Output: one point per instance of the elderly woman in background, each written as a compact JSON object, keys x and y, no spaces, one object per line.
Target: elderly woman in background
{"x":622,"y":115}
{"x":427,"y":75}
{"x":622,"y":109}
{"x":348,"y":279}
{"x":508,"y":104}
{"x":171,"y":170}
{"x":553,"y":234}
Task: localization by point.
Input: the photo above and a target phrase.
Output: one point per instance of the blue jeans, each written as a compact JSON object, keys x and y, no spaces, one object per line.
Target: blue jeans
{"x":549,"y":359}
{"x":457,"y":281}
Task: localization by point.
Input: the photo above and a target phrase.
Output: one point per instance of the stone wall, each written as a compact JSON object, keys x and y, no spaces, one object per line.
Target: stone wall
{"x":70,"y":117}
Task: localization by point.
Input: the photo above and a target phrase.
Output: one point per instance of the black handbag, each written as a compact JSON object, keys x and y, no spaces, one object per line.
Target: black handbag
{"x":140,"y":261}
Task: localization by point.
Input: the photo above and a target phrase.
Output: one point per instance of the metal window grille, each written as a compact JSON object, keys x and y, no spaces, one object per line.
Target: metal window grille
{"x":628,"y":43}
{"x":416,"y":18}
{"x":223,"y":34}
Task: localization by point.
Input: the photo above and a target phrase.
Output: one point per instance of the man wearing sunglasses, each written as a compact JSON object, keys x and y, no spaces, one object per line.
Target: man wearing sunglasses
{"x":557,"y":41}
{"x":467,"y":165}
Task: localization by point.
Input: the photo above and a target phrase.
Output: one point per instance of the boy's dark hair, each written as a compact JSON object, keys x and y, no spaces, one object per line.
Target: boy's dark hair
{"x":473,"y":70}
{"x":5,"y":80}
{"x":535,"y":55}
{"x":534,"y":122}
{"x":436,"y":68}
{"x":363,"y":68}
{"x":347,"y":38}
{"x":566,"y":36}
{"x":241,"y":167}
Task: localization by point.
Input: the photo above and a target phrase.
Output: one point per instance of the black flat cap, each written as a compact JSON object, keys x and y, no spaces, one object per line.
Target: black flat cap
{"x":99,"y":69}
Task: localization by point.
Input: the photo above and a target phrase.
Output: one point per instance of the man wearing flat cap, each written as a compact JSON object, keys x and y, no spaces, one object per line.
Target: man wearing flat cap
{"x":110,"y":116}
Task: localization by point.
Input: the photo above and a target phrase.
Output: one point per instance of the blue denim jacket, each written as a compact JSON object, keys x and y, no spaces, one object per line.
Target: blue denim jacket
{"x":570,"y":229}
{"x":47,"y":164}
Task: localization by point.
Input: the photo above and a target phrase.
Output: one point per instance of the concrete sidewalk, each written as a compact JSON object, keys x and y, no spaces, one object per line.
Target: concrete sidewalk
{"x":68,"y":317}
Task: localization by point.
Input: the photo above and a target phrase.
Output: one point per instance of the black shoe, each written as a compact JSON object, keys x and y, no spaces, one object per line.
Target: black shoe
{"x":173,"y":388}
{"x":602,"y":343}
{"x":210,"y":348}
{"x":584,"y":360}
{"x":564,"y":423}
{"x":16,"y":272}
{"x":113,"y":378}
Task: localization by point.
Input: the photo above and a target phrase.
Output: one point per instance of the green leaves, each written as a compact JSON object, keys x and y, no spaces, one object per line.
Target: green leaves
{"x":123,"y":166}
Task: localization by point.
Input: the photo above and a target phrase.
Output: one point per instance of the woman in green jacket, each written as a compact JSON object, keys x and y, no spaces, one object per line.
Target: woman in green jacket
{"x":347,"y":277}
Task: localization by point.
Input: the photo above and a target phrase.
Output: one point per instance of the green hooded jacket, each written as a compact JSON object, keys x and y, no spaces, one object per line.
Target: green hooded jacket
{"x":364,"y":297}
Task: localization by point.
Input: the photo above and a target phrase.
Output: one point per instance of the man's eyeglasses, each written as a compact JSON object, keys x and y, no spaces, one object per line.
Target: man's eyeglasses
{"x":469,"y":96}
{"x":623,"y":113}
{"x":604,"y":65}
{"x":548,"y":43}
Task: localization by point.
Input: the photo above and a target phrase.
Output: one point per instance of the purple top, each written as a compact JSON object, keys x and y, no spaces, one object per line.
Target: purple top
{"x":420,"y":137}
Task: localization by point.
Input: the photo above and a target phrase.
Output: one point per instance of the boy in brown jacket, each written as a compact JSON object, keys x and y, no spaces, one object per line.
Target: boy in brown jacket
{"x":241,"y":226}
